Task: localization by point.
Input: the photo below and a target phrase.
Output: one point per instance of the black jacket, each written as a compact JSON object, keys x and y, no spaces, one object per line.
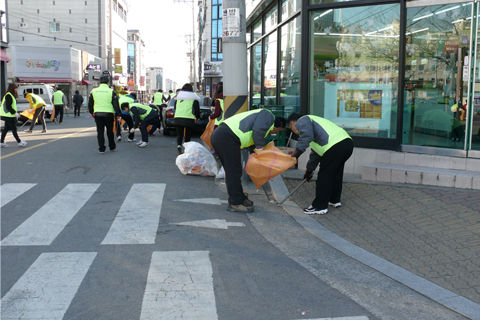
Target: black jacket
{"x":77,"y":100}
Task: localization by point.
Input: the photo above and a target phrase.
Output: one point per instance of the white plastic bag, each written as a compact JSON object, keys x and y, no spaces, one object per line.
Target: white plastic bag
{"x":220,"y":174}
{"x":196,"y":160}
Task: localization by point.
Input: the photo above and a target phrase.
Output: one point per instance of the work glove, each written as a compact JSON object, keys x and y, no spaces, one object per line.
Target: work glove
{"x":308,"y":175}
{"x":132,"y":130}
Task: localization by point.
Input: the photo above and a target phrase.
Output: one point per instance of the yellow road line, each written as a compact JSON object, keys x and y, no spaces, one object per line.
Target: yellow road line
{"x":44,"y":143}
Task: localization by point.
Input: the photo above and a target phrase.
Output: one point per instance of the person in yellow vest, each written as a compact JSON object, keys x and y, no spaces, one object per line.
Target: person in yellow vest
{"x":241,"y":131}
{"x":187,"y":111}
{"x":59,"y":101}
{"x":8,"y":113}
{"x":218,"y":112}
{"x":103,"y":105}
{"x":37,"y":104}
{"x":331,"y":147}
{"x":144,"y":116}
{"x":126,"y":116}
{"x":158,"y":98}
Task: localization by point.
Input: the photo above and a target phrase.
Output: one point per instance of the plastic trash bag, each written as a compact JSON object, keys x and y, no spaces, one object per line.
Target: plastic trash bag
{"x":267,"y":163}
{"x":196,"y":160}
{"x":220,"y":174}
{"x":28,"y":113}
{"x":207,"y":134}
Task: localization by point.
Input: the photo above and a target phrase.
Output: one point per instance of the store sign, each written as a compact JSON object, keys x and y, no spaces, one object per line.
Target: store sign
{"x":118,"y":69}
{"x":43,"y":62}
{"x":231,"y":22}
{"x":117,"y":55}
{"x":96,"y":67}
{"x":451,"y":46}
{"x":212,"y":69}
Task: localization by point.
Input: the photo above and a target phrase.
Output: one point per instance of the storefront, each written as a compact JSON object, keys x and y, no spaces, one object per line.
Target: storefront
{"x":398,"y":75}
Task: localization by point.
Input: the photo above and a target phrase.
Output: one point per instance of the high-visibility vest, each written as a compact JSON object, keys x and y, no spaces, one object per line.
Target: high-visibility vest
{"x":157,"y":98}
{"x":124,"y":99}
{"x":102,"y":98}
{"x":184,"y":109}
{"x":246,"y":138}
{"x":219,"y":119}
{"x":38,"y":101}
{"x":3,"y":111}
{"x":454,"y":108}
{"x":172,"y":95}
{"x":144,"y":107}
{"x":58,"y":97}
{"x":335,"y":134}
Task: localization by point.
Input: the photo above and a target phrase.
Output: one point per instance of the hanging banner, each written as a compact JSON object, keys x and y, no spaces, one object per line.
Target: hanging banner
{"x":231,"y":22}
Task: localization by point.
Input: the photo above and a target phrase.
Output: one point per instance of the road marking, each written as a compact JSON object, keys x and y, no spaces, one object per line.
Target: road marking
{"x":48,"y":287}
{"x":179,"y":286}
{"x":138,"y":218}
{"x":341,"y":318}
{"x":10,"y":191}
{"x":44,"y":143}
{"x":214,"y":201}
{"x":47,"y":223}
{"x":211,"y":224}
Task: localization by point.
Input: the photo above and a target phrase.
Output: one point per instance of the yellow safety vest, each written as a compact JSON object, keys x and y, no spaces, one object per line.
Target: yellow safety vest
{"x":335,"y":134}
{"x":184,"y":109}
{"x":58,"y":97}
{"x":102,"y":98}
{"x":144,"y":107}
{"x":37,"y":101}
{"x":124,"y":99}
{"x":219,"y":120}
{"x":157,"y":98}
{"x":5,"y":113}
{"x":246,"y":138}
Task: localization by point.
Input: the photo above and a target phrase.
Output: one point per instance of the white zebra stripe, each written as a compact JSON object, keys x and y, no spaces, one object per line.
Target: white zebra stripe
{"x":10,"y":191}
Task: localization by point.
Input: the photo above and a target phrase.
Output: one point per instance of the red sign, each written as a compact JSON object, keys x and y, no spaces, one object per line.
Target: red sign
{"x":451,"y":46}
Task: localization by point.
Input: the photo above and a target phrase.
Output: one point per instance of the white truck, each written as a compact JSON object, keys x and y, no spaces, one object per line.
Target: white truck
{"x":43,"y":90}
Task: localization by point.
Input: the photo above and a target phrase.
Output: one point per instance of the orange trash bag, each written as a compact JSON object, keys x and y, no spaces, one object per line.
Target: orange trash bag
{"x":52,"y":116}
{"x":207,"y":134}
{"x":267,"y":163}
{"x":28,"y":113}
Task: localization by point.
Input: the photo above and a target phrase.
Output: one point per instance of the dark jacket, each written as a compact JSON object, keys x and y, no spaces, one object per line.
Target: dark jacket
{"x":137,"y":112}
{"x":77,"y":100}
{"x":116,"y":108}
{"x":8,"y":104}
{"x":218,"y":110}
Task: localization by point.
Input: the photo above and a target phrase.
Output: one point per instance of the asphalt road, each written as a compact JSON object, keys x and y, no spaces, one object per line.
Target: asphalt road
{"x":104,"y":236}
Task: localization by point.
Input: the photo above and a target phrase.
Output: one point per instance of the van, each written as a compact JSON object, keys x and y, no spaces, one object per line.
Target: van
{"x":43,"y":90}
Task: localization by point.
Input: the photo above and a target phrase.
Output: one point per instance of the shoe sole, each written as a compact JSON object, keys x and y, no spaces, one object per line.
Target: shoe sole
{"x":315,"y":213}
{"x":249,"y":210}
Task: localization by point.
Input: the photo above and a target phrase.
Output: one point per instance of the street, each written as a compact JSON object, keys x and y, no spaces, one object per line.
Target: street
{"x":124,"y":235}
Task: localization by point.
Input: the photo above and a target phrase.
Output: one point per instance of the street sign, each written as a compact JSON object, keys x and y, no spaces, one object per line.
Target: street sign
{"x":94,"y":67}
{"x":231,"y":22}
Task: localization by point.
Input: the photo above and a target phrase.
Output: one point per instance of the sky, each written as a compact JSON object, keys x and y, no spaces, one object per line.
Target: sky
{"x":163,"y":25}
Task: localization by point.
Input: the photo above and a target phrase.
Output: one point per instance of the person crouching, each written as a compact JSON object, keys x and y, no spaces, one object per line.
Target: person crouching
{"x":145,"y":115}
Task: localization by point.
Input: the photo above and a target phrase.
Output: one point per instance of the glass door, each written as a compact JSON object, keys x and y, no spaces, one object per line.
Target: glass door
{"x":475,"y":114}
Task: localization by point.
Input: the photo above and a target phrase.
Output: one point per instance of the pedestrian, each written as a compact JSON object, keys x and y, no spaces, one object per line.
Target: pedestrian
{"x":103,"y":105}
{"x":127,"y":117}
{"x":38,"y":105}
{"x":218,"y":113}
{"x":8,"y":113}
{"x":77,"y":103}
{"x":59,"y":101}
{"x":166,"y":98}
{"x":238,"y":132}
{"x":171,"y":94}
{"x":158,"y":97}
{"x":187,"y":111}
{"x":144,"y":116}
{"x":331,"y":147}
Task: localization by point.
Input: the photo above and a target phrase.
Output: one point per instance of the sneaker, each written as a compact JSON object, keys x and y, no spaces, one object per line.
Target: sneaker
{"x":139,"y":142}
{"x":180,"y":149}
{"x":143,"y":144}
{"x":239,"y":208}
{"x":311,"y":210}
{"x":247,"y":202}
{"x":131,"y":140}
{"x":3,"y":145}
{"x":101,"y":151}
{"x":119,"y":138}
{"x":113,"y":150}
{"x":22,"y":143}
{"x":335,"y":205}
{"x":28,"y":131}
{"x":44,"y":131}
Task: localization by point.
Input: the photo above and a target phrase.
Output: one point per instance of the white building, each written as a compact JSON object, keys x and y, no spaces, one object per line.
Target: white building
{"x":136,"y":62}
{"x":154,"y":79}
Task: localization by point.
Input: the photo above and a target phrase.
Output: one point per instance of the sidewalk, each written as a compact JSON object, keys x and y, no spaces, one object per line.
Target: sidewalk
{"x":430,"y":231}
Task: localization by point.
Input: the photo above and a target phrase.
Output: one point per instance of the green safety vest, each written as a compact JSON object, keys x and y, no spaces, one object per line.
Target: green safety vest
{"x":172,"y":95}
{"x":335,"y":134}
{"x":157,"y":98}
{"x":4,"y":112}
{"x":219,"y":120}
{"x":58,"y":97}
{"x":184,"y":109}
{"x":102,"y":98}
{"x":246,"y":138}
{"x":39,"y":102}
{"x":144,"y":107}
{"x":124,"y":99}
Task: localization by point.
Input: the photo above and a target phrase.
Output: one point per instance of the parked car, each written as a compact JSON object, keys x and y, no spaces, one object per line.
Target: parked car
{"x":169,"y":113}
{"x":43,"y":90}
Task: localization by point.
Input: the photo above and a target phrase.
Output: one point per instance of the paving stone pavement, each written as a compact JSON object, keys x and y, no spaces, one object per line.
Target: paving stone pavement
{"x":432,"y":232}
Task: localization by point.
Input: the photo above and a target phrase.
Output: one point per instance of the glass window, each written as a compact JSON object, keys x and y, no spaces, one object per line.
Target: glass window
{"x":214,"y":29}
{"x":354,"y":68}
{"x":256,"y":74}
{"x":214,"y":57}
{"x":220,"y":28}
{"x":435,"y":93}
{"x":291,"y":44}
{"x":214,"y":46}
{"x":215,"y":12}
{"x":327,"y":1}
{"x":475,"y":130}
{"x":270,"y":70}
{"x":271,"y":19}
{"x":289,"y":7}
{"x":257,"y":30}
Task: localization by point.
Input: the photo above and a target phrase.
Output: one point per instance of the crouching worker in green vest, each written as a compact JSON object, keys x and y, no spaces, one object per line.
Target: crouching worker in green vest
{"x":145,"y":115}
{"x":331,"y":147}
{"x":242,"y":131}
{"x":103,"y":105}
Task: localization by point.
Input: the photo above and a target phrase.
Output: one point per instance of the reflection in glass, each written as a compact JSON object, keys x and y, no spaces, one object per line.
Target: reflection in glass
{"x":256,"y":73}
{"x":271,"y":19}
{"x":257,"y":31}
{"x":476,"y":103}
{"x":327,"y":1}
{"x":270,"y":72}
{"x":289,"y":7}
{"x":290,"y":67}
{"x":354,"y":68}
{"x":438,"y":39}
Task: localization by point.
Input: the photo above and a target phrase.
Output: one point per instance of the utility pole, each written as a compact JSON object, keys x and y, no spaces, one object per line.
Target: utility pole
{"x":235,"y":83}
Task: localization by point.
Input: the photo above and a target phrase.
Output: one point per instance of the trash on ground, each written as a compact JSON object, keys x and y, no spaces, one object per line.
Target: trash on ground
{"x":196,"y":160}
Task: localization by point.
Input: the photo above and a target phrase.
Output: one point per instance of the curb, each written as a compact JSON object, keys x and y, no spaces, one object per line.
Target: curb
{"x":423,"y":286}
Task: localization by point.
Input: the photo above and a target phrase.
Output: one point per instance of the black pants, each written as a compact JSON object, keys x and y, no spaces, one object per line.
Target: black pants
{"x":129,"y":121}
{"x":40,"y":115}
{"x":151,"y":119}
{"x":330,"y":175}
{"x":102,"y":123}
{"x":59,"y":112}
{"x":184,"y":134}
{"x":10,"y":124}
{"x":227,"y":147}
{"x":76,"y":111}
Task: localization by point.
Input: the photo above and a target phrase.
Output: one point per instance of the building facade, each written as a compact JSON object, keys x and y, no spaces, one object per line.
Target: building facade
{"x":3,"y":46}
{"x":136,"y":64}
{"x":154,"y":79}
{"x":397,"y":75}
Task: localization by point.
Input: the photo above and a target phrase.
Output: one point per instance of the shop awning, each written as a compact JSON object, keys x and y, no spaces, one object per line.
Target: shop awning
{"x":44,"y":80}
{"x":3,"y":55}
{"x":86,"y":83}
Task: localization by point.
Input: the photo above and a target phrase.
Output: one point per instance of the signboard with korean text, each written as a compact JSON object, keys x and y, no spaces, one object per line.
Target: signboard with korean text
{"x":231,"y":22}
{"x":117,"y":56}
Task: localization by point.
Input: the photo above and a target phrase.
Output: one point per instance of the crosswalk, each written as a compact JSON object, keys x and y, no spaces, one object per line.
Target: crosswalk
{"x":178,"y":284}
